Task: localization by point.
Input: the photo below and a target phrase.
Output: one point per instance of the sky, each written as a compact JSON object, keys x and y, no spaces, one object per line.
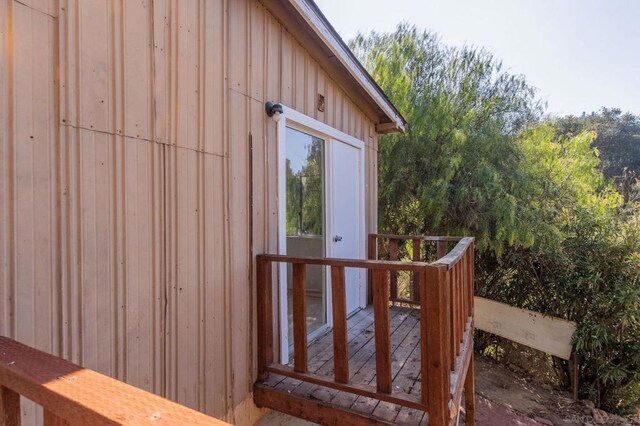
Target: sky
{"x":579,"y":54}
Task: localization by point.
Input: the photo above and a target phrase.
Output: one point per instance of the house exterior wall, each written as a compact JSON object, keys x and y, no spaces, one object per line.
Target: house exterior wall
{"x":129,"y":133}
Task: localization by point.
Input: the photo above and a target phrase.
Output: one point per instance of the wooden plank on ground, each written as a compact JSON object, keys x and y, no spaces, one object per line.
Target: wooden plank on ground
{"x":546,"y":334}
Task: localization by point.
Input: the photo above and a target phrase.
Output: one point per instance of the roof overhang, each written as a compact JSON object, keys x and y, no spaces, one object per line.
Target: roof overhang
{"x":313,"y":31}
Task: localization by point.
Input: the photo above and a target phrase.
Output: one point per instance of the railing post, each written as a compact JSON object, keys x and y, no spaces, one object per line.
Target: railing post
{"x":470,"y":394}
{"x":265,"y":317}
{"x":435,"y":337}
{"x":372,"y":254}
{"x":393,"y":277}
{"x":9,"y":407}
{"x":340,"y":339}
{"x":300,"y":317}
{"x":415,"y":282}
{"x":441,"y":249}
{"x":382,"y":330}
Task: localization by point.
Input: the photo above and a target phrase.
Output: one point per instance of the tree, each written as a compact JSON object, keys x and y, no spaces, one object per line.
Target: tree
{"x":552,"y":233}
{"x":618,"y":139}
{"x":453,"y":169}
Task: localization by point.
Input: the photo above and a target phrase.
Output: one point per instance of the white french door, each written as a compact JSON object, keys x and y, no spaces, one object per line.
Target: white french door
{"x":321,"y":214}
{"x":346,"y":218}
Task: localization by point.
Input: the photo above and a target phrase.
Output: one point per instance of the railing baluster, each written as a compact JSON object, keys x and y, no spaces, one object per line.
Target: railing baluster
{"x":435,"y":334}
{"x":451,"y":315}
{"x":469,"y":394}
{"x":415,"y":284}
{"x":393,"y":279}
{"x":441,"y":249}
{"x":372,"y":254}
{"x":340,"y":342}
{"x":471,"y":276}
{"x":382,"y":330}
{"x":9,"y":407}
{"x":459,"y":302}
{"x":300,"y":317}
{"x":265,"y":317}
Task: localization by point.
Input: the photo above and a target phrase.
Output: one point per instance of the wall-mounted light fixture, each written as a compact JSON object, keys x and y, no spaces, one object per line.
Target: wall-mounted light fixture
{"x":273,"y":110}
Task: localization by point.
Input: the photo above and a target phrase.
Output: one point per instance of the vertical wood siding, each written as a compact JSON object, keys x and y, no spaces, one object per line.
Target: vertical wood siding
{"x":126,"y":231}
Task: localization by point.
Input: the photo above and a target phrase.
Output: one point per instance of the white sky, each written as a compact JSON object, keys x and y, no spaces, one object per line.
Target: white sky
{"x":580,"y":54}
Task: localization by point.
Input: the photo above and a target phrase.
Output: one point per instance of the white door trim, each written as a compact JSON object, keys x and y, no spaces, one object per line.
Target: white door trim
{"x":296,"y":120}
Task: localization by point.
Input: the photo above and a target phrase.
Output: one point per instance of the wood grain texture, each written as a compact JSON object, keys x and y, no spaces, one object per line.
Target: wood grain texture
{"x":382,"y":331}
{"x":9,"y":407}
{"x":436,"y":368}
{"x":393,"y":278}
{"x":546,"y":334}
{"x":313,"y":411}
{"x":265,"y":318}
{"x":300,"y":317}
{"x":80,"y":396}
{"x":470,"y":394}
{"x":340,"y":343}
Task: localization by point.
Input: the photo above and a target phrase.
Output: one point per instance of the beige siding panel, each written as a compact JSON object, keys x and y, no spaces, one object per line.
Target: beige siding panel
{"x":311,"y":91}
{"x":239,"y":244}
{"x":47,"y":7}
{"x":126,"y":235}
{"x":286,"y":67}
{"x":321,"y":90}
{"x":186,"y":77}
{"x":238,"y":47}
{"x":257,"y":50}
{"x":34,"y":178}
{"x":212,"y":76}
{"x":300,"y":74}
{"x":273,"y":59}
{"x":136,"y":64}
{"x":213,"y":376}
{"x":29,"y":238}
{"x":7,"y":270}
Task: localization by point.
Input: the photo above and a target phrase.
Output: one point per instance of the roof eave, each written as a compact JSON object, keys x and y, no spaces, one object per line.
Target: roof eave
{"x":391,"y":121}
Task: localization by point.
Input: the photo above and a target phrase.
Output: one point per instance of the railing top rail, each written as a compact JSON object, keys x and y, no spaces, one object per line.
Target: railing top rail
{"x":417,"y":237}
{"x":386,"y":265}
{"x":84,"y":396}
{"x":456,"y":254}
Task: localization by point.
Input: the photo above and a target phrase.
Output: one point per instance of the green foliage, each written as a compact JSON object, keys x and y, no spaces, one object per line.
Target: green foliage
{"x":553,"y":235}
{"x":305,"y":193}
{"x":450,"y":171}
{"x":618,"y":138}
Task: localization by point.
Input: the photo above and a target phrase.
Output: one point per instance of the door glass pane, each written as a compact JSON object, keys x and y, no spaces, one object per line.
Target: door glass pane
{"x":305,"y":214}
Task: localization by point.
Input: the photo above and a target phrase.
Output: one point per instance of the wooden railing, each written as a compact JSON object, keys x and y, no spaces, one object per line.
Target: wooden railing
{"x":444,"y":291}
{"x":415,"y":248}
{"x":71,"y":394}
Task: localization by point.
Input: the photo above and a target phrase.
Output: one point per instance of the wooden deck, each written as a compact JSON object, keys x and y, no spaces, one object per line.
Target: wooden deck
{"x":405,"y":349}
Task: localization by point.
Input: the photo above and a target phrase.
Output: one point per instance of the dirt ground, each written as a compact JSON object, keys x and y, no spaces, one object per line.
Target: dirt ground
{"x":507,"y":398}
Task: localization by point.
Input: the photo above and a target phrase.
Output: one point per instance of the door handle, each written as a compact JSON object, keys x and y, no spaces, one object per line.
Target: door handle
{"x":337,"y":238}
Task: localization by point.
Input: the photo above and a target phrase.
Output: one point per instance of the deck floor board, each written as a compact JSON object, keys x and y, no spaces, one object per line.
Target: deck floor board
{"x":405,"y":348}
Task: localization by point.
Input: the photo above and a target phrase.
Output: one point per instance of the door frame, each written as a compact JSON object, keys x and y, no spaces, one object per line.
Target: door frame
{"x":298,"y":121}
